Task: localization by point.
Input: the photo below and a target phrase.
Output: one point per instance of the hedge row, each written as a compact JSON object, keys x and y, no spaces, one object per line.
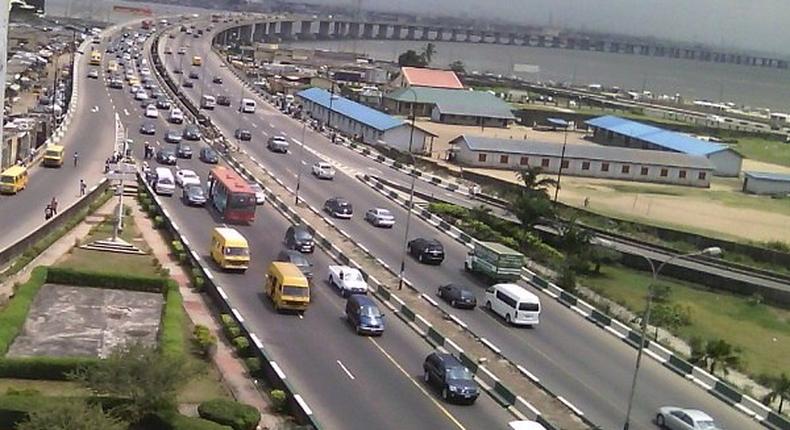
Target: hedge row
{"x":15,"y":408}
{"x":119,"y":281}
{"x":176,"y":421}
{"x":171,"y":334}
{"x":12,"y":318}
{"x":231,"y":413}
{"x":44,"y":368}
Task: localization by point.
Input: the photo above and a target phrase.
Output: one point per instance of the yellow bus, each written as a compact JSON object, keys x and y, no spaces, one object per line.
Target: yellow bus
{"x":112,"y":67}
{"x":287,"y":287}
{"x":229,"y":249}
{"x":95,"y":58}
{"x":196,"y":60}
{"x":53,"y":156}
{"x":13,"y":180}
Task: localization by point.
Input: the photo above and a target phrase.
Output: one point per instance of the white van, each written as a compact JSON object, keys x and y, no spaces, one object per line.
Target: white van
{"x":513,"y":303}
{"x":208,"y":102}
{"x":165,"y":183}
{"x":248,"y":105}
{"x":176,"y":116}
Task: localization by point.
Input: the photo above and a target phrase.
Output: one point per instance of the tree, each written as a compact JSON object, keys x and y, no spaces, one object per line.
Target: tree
{"x":669,"y":317}
{"x":428,"y":52}
{"x":458,"y":66}
{"x":71,"y":415}
{"x":411,"y":58}
{"x":530,"y":209}
{"x":533,"y":182}
{"x":149,"y":380}
{"x":715,"y":354}
{"x":780,"y":387}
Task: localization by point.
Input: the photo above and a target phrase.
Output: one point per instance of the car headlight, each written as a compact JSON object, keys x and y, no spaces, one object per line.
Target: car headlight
{"x":453,"y":388}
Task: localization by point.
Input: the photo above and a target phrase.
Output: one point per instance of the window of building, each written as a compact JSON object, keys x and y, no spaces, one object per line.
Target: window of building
{"x":482,"y":157}
{"x":626,"y":169}
{"x":585,"y":165}
{"x":682,"y":174}
{"x":664,"y":173}
{"x":604,"y":167}
{"x":544,"y":162}
{"x":565,"y":164}
{"x":702,"y":176}
{"x":503,"y":159}
{"x":627,"y":140}
{"x":643,"y":171}
{"x":524,"y":161}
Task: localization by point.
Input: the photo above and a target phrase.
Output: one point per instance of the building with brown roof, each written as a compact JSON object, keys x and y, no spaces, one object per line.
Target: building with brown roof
{"x":431,"y":78}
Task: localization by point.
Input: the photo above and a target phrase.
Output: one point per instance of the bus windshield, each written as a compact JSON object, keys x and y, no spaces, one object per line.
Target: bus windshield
{"x":295,"y":291}
{"x":237,"y":252}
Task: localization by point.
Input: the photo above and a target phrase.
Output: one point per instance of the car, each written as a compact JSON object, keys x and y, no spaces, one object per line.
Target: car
{"x":116,"y":84}
{"x":162,"y":103}
{"x":297,"y":259}
{"x":217,"y":80}
{"x":183,"y":150}
{"x":191,"y":132}
{"x":242,"y":134}
{"x":299,"y":238}
{"x":364,"y":315}
{"x":223,"y":100}
{"x":339,"y":207}
{"x":674,"y":418}
{"x":457,"y":296}
{"x":148,"y":85}
{"x":135,"y":88}
{"x":188,"y":84}
{"x":347,"y":280}
{"x":260,"y":195}
{"x":151,"y":112}
{"x":93,"y":74}
{"x":166,"y":156}
{"x":148,"y":128}
{"x":169,"y":51}
{"x":182,"y":50}
{"x":141,"y":95}
{"x":173,"y":136}
{"x":446,"y":372}
{"x":426,"y":250}
{"x":193,"y":195}
{"x":145,"y":71}
{"x":177,"y":71}
{"x":278,"y":144}
{"x":380,"y":217}
{"x":176,"y":116}
{"x":193,"y":75}
{"x":323,"y":170}
{"x":209,"y":156}
{"x":186,"y":177}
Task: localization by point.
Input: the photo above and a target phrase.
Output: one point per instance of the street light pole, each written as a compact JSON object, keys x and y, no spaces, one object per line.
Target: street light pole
{"x":301,"y":162}
{"x":411,"y":197}
{"x":712,"y":251}
{"x":562,"y":162}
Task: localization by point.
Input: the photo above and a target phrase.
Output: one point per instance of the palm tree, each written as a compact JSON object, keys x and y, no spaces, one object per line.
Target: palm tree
{"x":428,"y":52}
{"x":715,"y":354}
{"x":533,"y":182}
{"x":780,"y":387}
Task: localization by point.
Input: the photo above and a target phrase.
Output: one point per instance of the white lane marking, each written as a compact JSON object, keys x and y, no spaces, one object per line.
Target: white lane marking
{"x":284,"y":133}
{"x":254,"y":125}
{"x":296,"y":141}
{"x":264,"y":133}
{"x":345,"y":370}
{"x":271,"y":125}
{"x":126,"y":112}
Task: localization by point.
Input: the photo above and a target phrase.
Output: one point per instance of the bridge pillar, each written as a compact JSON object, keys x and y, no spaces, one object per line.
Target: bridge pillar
{"x":286,"y":30}
{"x":367,"y":31}
{"x":353,"y":30}
{"x":323,"y":29}
{"x":245,"y":34}
{"x":541,"y":40}
{"x":258,"y":31}
{"x":397,"y":32}
{"x":629,"y":48}
{"x":439,"y":34}
{"x":411,"y":32}
{"x":382,"y":31}
{"x":570,"y":43}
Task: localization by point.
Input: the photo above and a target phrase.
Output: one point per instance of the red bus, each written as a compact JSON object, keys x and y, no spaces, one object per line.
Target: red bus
{"x":231,"y":195}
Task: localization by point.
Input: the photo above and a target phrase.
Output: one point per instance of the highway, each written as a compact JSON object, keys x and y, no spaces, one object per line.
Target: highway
{"x":571,"y":356}
{"x":350,"y":382}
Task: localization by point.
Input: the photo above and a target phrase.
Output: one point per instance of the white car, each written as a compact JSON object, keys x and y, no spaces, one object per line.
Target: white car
{"x":141,"y":95}
{"x":145,"y":71}
{"x":260,"y":196}
{"x":94,"y":74}
{"x":186,"y":177}
{"x":380,"y":217}
{"x":176,"y":116}
{"x":323,"y":170}
{"x":135,"y":88}
{"x":151,"y":112}
{"x":348,"y":280}
{"x":674,"y":418}
{"x":182,"y":50}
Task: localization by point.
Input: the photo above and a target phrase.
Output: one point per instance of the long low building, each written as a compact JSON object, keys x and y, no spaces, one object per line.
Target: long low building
{"x":367,"y":124}
{"x":616,"y":131}
{"x":775,"y":184}
{"x":584,"y":160}
{"x":451,"y":106}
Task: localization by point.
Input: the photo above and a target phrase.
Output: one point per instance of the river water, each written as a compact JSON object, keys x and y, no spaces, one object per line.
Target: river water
{"x":743,"y":85}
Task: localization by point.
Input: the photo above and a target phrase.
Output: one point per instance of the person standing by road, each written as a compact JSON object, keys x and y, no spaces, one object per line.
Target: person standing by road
{"x":76,"y":158}
{"x":54,"y":205}
{"x":82,"y":187}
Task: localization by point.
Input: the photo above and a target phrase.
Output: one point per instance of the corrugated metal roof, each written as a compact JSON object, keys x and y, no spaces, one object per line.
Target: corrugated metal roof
{"x":456,"y":102}
{"x":419,"y":77}
{"x":358,"y":112}
{"x":664,"y":138}
{"x":768,"y":176}
{"x":586,"y":152}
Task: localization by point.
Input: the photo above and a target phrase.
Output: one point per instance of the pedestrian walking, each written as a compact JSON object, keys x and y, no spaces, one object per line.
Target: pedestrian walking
{"x":48,"y":212}
{"x":82,"y":187}
{"x":54,"y":204}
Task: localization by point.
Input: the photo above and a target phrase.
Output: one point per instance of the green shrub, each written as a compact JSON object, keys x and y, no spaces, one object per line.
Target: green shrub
{"x":242,"y":345}
{"x":253,"y":364}
{"x":199,"y":283}
{"x":228,"y":412}
{"x":204,"y":340}
{"x":42,"y":368}
{"x":115,"y":281}
{"x":449,"y":209}
{"x":233,"y":331}
{"x":171,"y":336}
{"x":228,"y":321}
{"x":177,"y":246}
{"x":159,"y":221}
{"x":12,"y":318}
{"x":172,"y":420}
{"x":279,"y":400}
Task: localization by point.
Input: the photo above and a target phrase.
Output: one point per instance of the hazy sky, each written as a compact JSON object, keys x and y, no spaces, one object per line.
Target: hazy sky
{"x":747,"y":24}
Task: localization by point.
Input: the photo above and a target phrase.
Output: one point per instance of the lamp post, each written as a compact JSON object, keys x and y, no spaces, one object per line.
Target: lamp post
{"x":411,"y":195}
{"x":656,"y":270}
{"x":300,"y":163}
{"x":562,"y":161}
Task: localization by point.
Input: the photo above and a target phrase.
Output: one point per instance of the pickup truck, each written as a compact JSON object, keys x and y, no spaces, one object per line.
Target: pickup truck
{"x":348,"y":280}
{"x":495,"y":261}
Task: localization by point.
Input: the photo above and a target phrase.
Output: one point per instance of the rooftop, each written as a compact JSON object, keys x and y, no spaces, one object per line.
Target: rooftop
{"x":585,"y":152}
{"x":456,"y":102}
{"x":670,"y":140}
{"x":358,"y":112}
{"x":768,"y":176}
{"x":419,"y":77}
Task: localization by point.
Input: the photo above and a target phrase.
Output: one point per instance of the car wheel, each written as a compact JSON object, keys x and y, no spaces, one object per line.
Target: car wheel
{"x":488,"y":306}
{"x":419,"y":258}
{"x":660,"y":421}
{"x":331,"y":282}
{"x":445,"y":393}
{"x":507,"y":319}
{"x":453,"y":303}
{"x":408,"y":249}
{"x":426,"y":377}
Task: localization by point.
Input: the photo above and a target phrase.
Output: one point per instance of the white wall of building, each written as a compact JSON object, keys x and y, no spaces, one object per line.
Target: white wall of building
{"x":765,"y":186}
{"x":727,"y":162}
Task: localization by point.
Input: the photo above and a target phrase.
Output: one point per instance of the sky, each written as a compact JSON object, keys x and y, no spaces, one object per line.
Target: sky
{"x":744,"y":24}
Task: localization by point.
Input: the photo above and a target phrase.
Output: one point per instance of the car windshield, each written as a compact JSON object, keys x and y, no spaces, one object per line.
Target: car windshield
{"x":303,"y":235}
{"x":459,"y":373}
{"x":466,"y":294}
{"x":165,"y":181}
{"x":295,"y":291}
{"x":353,"y":276}
{"x":195,"y":191}
{"x":189,"y":175}
{"x":384,"y":213}
{"x":370,"y":311}
{"x":241,"y":201}
{"x":237,"y":252}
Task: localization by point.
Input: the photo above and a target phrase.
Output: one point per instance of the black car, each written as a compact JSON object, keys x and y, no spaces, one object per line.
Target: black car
{"x":192,"y":132}
{"x":162,"y":103}
{"x":242,"y":134}
{"x":188,"y":84}
{"x":173,"y":136}
{"x":446,"y":373}
{"x":223,"y":100}
{"x":299,"y":238}
{"x":193,"y":195}
{"x":364,"y":315}
{"x":177,"y":71}
{"x":183,"y":150}
{"x":217,"y":80}
{"x":148,"y":128}
{"x":209,"y":156}
{"x":426,"y":250}
{"x":193,"y":75}
{"x":457,"y":296}
{"x":297,"y":259}
{"x":116,"y":84}
{"x":339,"y":207}
{"x":166,"y":156}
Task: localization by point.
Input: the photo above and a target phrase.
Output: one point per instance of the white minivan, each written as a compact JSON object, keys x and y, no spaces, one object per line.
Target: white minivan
{"x":165,"y":182}
{"x":208,"y":102}
{"x":513,"y":303}
{"x":176,"y":116}
{"x":247,"y":105}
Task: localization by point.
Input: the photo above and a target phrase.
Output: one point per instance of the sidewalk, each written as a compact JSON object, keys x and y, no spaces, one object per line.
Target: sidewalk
{"x":233,"y":372}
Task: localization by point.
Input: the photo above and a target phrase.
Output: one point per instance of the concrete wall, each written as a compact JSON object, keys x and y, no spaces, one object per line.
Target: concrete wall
{"x":764,"y":186}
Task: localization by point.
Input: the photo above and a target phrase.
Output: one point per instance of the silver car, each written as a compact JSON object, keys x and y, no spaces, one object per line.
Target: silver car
{"x":673,"y":418}
{"x":323,"y":170}
{"x":380,"y":217}
{"x":260,"y":196}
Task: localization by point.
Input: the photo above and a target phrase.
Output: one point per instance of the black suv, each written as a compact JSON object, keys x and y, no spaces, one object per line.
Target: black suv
{"x":457,"y":296}
{"x":446,"y":373}
{"x":426,"y":250}
{"x":298,"y":237}
{"x":191,"y":132}
{"x":193,"y":75}
{"x":297,"y":259}
{"x":339,"y":207}
{"x":217,"y":80}
{"x":223,"y":100}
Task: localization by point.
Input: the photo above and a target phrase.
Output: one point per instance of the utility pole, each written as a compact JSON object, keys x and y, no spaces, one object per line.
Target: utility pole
{"x":3,"y":48}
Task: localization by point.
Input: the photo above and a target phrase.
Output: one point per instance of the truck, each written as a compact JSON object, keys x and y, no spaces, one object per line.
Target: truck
{"x":348,"y":280}
{"x":494,"y":261}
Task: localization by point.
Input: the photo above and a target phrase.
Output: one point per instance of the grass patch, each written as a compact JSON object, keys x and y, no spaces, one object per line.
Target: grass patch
{"x":763,"y":332}
{"x":13,"y":316}
{"x":760,"y":149}
{"x":646,"y":189}
{"x":50,"y":388}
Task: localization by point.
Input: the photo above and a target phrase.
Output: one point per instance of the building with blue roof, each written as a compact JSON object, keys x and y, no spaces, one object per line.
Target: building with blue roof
{"x":768,"y":183}
{"x":615,"y":131}
{"x":367,"y":124}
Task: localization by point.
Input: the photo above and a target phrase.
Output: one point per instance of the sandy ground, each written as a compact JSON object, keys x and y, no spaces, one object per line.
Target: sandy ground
{"x":759,"y":166}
